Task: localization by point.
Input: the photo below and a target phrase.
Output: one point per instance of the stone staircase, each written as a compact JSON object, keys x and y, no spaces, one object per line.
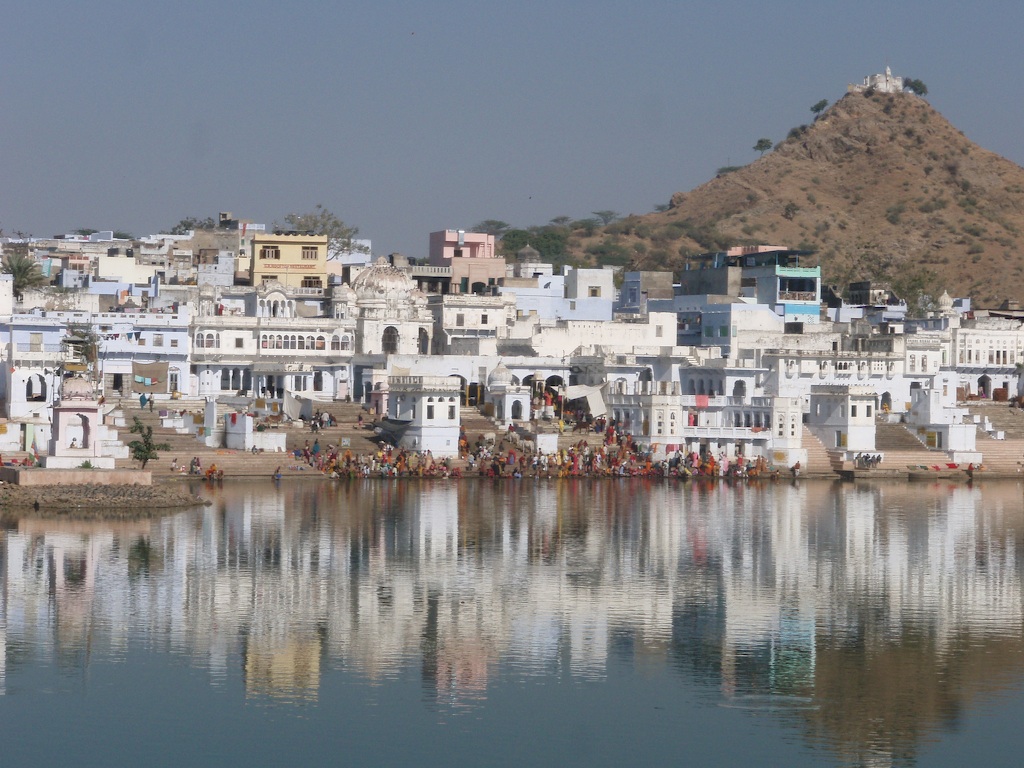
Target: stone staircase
{"x":820,"y":462}
{"x":1009,"y":421}
{"x":1002,"y":458}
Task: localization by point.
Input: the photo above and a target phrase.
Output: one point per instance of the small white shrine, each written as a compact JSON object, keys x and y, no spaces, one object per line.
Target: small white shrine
{"x":78,"y":434}
{"x":510,"y":401}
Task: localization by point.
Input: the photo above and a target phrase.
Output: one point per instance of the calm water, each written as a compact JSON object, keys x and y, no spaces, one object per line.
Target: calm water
{"x":569,"y":623}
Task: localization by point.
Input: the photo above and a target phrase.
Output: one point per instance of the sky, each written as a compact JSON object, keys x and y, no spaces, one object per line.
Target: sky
{"x":405,"y":118}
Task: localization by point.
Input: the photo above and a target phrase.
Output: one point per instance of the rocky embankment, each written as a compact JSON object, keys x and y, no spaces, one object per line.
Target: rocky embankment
{"x":117,"y":502}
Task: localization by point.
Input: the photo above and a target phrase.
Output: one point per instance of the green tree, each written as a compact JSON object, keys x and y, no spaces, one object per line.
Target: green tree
{"x":561,"y":221}
{"x":495,"y":227}
{"x":762,"y":146}
{"x":662,"y":207}
{"x":818,"y":107}
{"x":320,"y":221}
{"x":145,"y":449}
{"x":120,"y":234}
{"x":606,"y":217}
{"x":25,"y":272}
{"x":915,"y":86}
{"x":586,"y":226}
{"x":191,"y":223}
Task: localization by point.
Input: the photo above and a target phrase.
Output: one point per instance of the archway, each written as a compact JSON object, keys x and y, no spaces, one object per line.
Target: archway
{"x":985,"y":386}
{"x":517,"y":410}
{"x":739,"y":389}
{"x":886,"y":402}
{"x":424,"y":342}
{"x":389,"y":340}
{"x":35,"y":389}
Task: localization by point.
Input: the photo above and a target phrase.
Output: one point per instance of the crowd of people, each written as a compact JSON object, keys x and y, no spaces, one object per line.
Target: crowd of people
{"x":508,"y":457}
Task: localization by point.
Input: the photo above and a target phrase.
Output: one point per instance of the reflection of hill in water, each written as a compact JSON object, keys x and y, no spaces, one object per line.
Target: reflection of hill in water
{"x":869,"y":617}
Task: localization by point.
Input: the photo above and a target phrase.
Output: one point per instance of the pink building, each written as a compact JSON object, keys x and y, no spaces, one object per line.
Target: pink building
{"x":471,"y":257}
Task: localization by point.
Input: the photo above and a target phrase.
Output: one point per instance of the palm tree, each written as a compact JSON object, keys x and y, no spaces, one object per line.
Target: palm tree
{"x":25,"y":271}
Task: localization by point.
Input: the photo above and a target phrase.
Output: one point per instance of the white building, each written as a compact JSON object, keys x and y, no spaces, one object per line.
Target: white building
{"x":423,"y":413}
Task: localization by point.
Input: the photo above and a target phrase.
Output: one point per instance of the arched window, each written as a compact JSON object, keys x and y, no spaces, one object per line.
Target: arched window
{"x":200,"y":341}
{"x":335,"y":343}
{"x":321,"y":343}
{"x":389,"y":341}
{"x":302,"y":342}
{"x":346,"y":343}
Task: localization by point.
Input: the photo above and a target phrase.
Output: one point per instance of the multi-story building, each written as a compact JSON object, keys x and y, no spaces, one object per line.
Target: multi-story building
{"x":293,"y":259}
{"x":475,"y":267}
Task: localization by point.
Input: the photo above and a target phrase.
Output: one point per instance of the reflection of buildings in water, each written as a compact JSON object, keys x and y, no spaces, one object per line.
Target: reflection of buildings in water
{"x":289,"y":671}
{"x":775,"y":589}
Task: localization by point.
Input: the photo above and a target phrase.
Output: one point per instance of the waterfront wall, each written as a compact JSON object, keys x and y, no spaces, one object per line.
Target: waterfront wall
{"x":39,"y":477}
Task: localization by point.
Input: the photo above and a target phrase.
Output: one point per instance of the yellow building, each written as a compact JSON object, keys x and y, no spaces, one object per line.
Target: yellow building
{"x":293,"y":259}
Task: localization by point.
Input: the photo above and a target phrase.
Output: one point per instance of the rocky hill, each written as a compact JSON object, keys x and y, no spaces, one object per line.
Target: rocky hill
{"x":880,"y":186}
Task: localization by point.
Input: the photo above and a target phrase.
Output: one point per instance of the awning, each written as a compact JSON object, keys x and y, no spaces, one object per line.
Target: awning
{"x":592,"y":394}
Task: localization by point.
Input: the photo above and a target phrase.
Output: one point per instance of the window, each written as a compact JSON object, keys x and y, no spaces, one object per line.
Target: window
{"x":867,"y":409}
{"x":658,"y":331}
{"x":460,"y":320}
{"x":483,"y":319}
{"x":310,"y":252}
{"x":270,"y":252}
{"x":158,"y":339}
{"x":335,"y":343}
{"x":430,"y":413}
{"x":142,"y":341}
{"x":309,"y":281}
{"x":853,"y":411}
{"x":239,"y":343}
{"x":174,"y":342}
{"x":595,"y":291}
{"x":451,"y":413}
{"x":270,"y":278}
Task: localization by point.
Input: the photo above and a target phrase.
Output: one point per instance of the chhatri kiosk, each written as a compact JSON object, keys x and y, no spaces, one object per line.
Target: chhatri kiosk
{"x":78,"y":434}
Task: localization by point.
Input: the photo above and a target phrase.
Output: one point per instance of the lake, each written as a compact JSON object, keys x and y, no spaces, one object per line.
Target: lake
{"x":508,"y":623}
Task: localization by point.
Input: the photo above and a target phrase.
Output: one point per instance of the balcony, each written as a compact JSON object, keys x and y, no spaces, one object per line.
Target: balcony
{"x":28,"y":354}
{"x":798,"y":296}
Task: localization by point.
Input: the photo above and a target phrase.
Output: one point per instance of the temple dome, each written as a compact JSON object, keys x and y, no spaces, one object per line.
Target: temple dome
{"x":77,"y":388}
{"x":499,"y":377}
{"x":945,"y":302}
{"x":528,"y":254}
{"x":383,"y":280}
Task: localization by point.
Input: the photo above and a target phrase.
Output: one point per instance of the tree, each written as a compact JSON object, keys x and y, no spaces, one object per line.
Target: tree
{"x":662,"y":207}
{"x":25,"y":271}
{"x":145,"y":450}
{"x":191,"y":223}
{"x":320,"y":221}
{"x":561,"y":221}
{"x":915,"y":86}
{"x":606,"y":217}
{"x":762,"y":146}
{"x":818,"y":107}
{"x":495,"y":227}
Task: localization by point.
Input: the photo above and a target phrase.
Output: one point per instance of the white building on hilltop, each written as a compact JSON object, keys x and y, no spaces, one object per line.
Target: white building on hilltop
{"x":883,"y":83}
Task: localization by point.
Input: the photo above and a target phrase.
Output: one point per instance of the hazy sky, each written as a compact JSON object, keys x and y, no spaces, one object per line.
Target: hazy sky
{"x":409,"y":117}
